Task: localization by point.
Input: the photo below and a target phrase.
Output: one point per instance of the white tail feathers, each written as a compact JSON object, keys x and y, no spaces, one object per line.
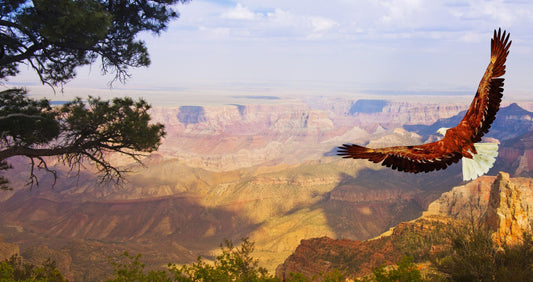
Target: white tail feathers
{"x":481,"y":162}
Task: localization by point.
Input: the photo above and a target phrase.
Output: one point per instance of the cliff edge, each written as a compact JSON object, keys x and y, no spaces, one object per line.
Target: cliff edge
{"x":500,"y":202}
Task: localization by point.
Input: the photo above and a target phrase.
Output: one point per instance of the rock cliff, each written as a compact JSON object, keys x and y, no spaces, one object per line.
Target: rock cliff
{"x":501,"y":203}
{"x":474,"y":198}
{"x":506,"y":216}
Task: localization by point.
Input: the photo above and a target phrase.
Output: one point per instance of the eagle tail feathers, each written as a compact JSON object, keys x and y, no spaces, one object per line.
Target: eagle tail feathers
{"x":481,"y":162}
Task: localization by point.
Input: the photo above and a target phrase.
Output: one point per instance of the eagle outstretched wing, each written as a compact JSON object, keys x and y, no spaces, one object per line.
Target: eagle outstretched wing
{"x":419,"y":158}
{"x":483,"y":109}
{"x":458,"y":140}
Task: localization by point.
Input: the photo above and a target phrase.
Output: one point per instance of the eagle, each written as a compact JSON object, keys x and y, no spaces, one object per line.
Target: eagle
{"x":459,"y":142}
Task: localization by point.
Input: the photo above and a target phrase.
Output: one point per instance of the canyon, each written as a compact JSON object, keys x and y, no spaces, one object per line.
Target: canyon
{"x":499,"y":203}
{"x":265,"y":170}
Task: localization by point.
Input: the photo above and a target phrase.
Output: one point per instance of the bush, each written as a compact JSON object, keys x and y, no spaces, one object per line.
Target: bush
{"x":406,"y":270}
{"x":474,"y":256}
{"x":13,"y":269}
{"x":233,"y":264}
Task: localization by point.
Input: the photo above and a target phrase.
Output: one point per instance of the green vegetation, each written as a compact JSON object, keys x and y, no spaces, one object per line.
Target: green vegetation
{"x":54,"y":37}
{"x":74,"y":132}
{"x":473,"y":256}
{"x":233,"y":264}
{"x":417,"y":244}
{"x":405,"y":271}
{"x":13,"y":269}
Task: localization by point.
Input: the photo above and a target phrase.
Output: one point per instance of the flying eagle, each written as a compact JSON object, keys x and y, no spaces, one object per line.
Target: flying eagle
{"x":458,"y":142}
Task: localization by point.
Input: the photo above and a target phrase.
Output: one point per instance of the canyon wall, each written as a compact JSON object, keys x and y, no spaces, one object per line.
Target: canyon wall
{"x":235,"y":136}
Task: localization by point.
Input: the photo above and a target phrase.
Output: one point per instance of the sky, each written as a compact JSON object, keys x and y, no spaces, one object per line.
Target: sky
{"x":381,"y":46}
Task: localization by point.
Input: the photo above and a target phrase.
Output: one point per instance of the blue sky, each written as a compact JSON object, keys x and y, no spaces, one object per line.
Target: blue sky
{"x":336,"y":45}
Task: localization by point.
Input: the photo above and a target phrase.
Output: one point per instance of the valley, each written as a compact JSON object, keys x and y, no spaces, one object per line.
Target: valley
{"x":266,"y":170}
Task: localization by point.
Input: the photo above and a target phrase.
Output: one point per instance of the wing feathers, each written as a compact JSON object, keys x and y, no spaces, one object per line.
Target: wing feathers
{"x":403,"y":158}
{"x":499,"y":50}
{"x":349,"y":151}
{"x":486,"y":103}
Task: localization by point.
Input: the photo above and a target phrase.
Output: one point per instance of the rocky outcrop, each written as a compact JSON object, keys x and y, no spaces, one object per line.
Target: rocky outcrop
{"x":505,"y":214}
{"x":472,"y":199}
{"x":319,"y":256}
{"x":501,"y":203}
{"x":465,"y":201}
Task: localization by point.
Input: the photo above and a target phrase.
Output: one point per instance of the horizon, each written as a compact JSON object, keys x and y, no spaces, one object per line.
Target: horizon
{"x":334,"y":48}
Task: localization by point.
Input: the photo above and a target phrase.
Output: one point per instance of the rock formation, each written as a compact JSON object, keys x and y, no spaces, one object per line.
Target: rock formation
{"x":226,"y":137}
{"x":505,"y":214}
{"x":501,"y":203}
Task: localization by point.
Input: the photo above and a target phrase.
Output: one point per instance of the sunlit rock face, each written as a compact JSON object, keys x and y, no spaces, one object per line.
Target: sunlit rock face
{"x":502,"y":203}
{"x":487,"y":193}
{"x":506,"y":215}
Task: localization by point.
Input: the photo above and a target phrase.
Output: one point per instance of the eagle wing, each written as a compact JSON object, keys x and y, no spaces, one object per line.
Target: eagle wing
{"x":438,"y":155}
{"x":419,"y":158}
{"x":486,"y":103}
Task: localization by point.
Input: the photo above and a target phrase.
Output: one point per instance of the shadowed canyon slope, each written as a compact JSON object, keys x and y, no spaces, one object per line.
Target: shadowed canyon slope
{"x":263,"y":171}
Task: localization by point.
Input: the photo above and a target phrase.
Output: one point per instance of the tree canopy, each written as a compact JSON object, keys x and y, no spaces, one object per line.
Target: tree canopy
{"x":74,"y":132}
{"x":55,"y":37}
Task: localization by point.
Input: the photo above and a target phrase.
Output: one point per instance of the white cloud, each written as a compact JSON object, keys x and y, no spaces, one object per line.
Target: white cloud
{"x":321,"y":24}
{"x":281,"y":17}
{"x":400,"y":11}
{"x":239,"y":12}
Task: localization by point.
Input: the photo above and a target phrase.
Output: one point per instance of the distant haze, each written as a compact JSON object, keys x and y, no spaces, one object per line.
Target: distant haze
{"x":326,"y":47}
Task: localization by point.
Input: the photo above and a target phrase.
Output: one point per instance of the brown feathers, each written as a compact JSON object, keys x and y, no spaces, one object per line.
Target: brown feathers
{"x":458,"y":140}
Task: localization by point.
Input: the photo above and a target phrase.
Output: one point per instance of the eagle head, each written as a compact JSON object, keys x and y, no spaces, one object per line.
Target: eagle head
{"x":442,"y":130}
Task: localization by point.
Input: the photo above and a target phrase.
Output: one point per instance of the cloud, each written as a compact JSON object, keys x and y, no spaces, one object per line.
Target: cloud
{"x":321,"y":24}
{"x":364,"y":43}
{"x":281,"y":17}
{"x":400,"y":11}
{"x":239,"y":12}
